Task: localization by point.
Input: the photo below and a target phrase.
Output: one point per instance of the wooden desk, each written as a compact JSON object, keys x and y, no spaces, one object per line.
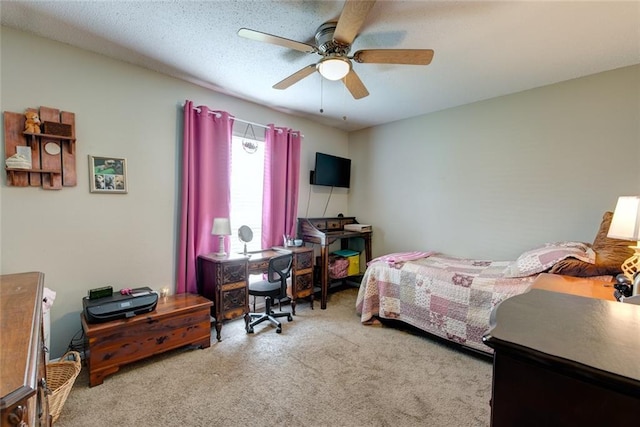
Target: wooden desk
{"x":301,"y":270}
{"x":178,"y":320}
{"x":325,"y":231}
{"x":225,"y":280}
{"x":563,"y":359}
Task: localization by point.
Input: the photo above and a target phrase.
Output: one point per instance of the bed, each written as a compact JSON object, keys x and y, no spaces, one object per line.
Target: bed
{"x":452,"y":298}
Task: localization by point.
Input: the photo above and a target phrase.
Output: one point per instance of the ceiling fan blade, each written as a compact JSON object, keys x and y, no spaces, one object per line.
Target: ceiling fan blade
{"x":280,"y":41}
{"x":351,"y":19}
{"x":295,"y":77}
{"x":355,"y":85}
{"x":394,"y":56}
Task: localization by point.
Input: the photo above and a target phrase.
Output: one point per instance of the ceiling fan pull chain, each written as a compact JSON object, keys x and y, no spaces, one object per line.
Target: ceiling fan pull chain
{"x":344,"y":92}
{"x":321,"y":95}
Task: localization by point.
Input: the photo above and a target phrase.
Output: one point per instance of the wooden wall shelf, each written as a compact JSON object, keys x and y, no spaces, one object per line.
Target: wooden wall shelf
{"x":46,"y":135}
{"x":51,"y":171}
{"x":13,"y":173}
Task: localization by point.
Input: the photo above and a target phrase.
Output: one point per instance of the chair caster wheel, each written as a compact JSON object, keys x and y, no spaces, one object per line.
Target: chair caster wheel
{"x":289,"y":318}
{"x":249,"y":330}
{"x":279,"y":330}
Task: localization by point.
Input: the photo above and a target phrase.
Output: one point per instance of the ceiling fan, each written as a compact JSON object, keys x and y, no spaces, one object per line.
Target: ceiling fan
{"x":333,"y":41}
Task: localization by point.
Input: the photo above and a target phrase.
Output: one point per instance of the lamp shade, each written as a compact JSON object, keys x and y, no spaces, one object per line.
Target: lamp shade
{"x":221,"y":227}
{"x":625,"y":223}
{"x":334,"y":68}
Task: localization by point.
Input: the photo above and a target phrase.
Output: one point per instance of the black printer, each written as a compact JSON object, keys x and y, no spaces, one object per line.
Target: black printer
{"x":119,"y":306}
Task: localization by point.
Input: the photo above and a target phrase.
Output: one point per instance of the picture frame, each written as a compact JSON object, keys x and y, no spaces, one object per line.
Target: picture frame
{"x":108,"y":175}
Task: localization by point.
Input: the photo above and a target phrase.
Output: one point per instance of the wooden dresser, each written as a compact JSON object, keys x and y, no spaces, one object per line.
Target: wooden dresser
{"x":23,"y":386}
{"x":565,"y":355}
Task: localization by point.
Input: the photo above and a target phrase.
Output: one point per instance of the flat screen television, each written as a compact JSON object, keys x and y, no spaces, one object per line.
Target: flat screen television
{"x":331,"y":171}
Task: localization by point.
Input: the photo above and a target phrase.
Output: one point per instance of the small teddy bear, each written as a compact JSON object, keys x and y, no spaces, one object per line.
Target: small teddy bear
{"x":32,"y":124}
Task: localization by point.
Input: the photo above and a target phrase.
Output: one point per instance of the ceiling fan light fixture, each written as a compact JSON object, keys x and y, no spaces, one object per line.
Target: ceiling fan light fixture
{"x":334,"y":68}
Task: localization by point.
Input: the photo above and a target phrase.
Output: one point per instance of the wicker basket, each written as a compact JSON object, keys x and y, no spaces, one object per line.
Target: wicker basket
{"x":60,"y":378}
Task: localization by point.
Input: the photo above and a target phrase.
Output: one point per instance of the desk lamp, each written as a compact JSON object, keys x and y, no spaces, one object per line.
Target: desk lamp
{"x":626,"y":225}
{"x":221,"y":228}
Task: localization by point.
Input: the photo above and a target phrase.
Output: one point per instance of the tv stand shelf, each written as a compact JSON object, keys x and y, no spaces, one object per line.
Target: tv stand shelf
{"x":325,"y":231}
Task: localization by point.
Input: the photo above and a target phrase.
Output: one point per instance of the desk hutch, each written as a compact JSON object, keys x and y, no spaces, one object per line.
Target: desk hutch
{"x":325,"y":231}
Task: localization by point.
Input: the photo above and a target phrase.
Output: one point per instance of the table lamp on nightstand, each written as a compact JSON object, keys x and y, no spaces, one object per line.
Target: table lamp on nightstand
{"x":221,"y":228}
{"x":626,"y":225}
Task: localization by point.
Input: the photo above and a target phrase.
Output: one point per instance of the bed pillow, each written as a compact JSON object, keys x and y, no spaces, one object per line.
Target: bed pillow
{"x":575,"y":267}
{"x":610,"y":254}
{"x":543,"y":258}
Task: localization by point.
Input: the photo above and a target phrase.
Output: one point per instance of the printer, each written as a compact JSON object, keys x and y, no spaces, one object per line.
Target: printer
{"x":119,"y":306}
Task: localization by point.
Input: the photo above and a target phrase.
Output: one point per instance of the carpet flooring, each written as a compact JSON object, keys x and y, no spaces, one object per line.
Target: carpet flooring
{"x":324,"y":369}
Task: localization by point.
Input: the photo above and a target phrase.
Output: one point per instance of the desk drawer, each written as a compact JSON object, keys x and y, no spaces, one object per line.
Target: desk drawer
{"x":230,"y":273}
{"x":304,"y":260}
{"x":233,"y":302}
{"x":304,"y":284}
{"x":319,"y":224}
{"x":259,"y":267}
{"x":334,"y":225}
{"x":231,"y":286}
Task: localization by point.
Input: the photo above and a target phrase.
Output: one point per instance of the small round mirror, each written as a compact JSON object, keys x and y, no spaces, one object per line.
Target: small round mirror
{"x":245,"y":234}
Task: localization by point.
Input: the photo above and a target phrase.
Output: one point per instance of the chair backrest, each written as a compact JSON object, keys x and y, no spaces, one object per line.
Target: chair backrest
{"x":280,"y":269}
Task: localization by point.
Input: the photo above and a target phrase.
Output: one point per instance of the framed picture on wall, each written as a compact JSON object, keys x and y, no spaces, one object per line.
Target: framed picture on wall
{"x":108,"y":174}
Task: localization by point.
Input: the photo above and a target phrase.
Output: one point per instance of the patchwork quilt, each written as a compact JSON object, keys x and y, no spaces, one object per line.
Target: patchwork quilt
{"x":445,"y":296}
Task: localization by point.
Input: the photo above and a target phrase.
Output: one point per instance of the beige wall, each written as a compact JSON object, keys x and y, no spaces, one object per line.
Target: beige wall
{"x":484,"y":180}
{"x":82,"y":240}
{"x":495,"y":178}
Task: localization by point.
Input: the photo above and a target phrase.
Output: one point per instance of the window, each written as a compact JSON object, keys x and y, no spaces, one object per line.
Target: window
{"x":247,"y":176}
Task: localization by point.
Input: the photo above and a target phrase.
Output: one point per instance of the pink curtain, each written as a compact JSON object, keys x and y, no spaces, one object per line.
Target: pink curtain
{"x":281,"y":183}
{"x":205,"y":193}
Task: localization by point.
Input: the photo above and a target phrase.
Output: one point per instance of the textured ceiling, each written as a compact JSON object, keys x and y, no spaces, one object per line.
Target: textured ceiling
{"x":482,"y":49}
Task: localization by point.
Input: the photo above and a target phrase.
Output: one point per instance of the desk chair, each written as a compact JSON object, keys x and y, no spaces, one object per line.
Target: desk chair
{"x":275,"y":287}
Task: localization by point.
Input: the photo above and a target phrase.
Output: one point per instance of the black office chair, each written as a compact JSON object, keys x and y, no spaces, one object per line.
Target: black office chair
{"x":275,"y":287}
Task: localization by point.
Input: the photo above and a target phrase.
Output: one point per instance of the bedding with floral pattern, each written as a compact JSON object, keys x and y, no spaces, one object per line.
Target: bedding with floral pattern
{"x":448,"y":297}
{"x":453,"y":298}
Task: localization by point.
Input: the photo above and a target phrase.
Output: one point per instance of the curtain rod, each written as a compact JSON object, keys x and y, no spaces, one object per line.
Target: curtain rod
{"x":250,"y":123}
{"x":246,"y":121}
{"x":239,"y":120}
